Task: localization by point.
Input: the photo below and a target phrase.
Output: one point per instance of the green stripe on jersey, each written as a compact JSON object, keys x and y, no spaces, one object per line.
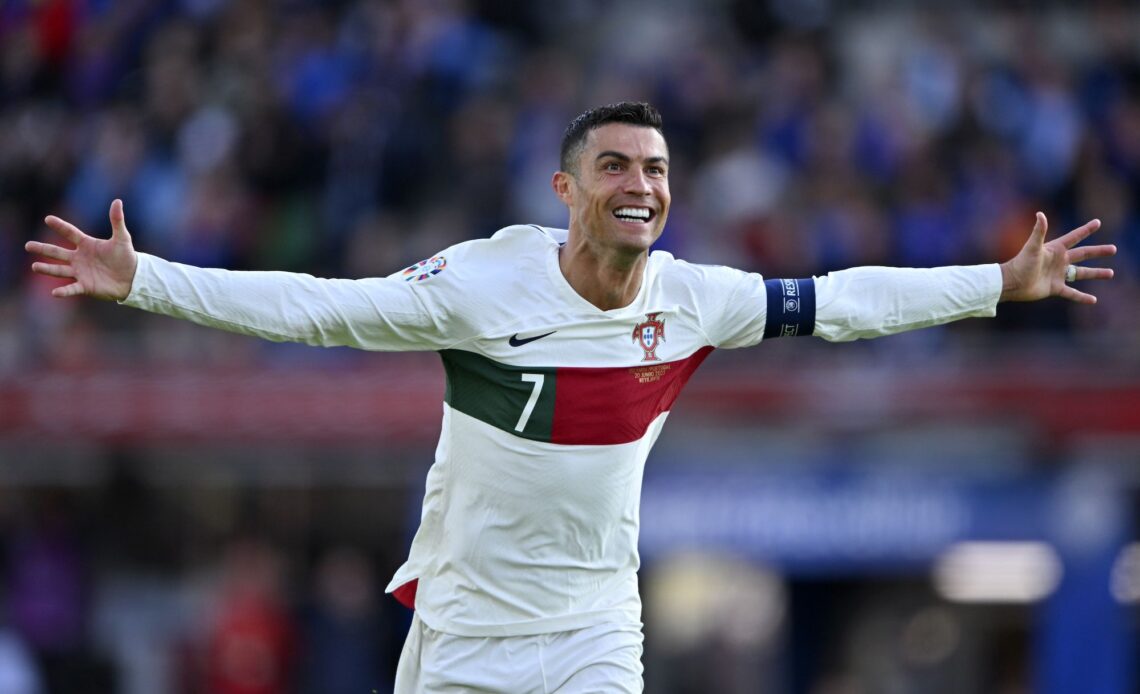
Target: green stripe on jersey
{"x":516,"y":399}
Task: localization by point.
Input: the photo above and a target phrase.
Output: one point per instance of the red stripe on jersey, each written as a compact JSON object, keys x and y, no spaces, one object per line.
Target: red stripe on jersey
{"x":406,"y":594}
{"x":602,"y":406}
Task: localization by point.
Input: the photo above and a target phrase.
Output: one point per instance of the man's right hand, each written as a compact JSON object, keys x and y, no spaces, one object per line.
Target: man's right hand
{"x":102,"y":268}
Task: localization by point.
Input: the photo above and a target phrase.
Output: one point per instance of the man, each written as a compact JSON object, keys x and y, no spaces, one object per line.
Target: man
{"x":564,"y":351}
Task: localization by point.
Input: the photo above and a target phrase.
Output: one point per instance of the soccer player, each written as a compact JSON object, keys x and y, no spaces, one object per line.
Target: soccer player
{"x":564,"y":351}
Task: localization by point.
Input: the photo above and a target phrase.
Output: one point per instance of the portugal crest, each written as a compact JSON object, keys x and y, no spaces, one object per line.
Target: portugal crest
{"x":649,"y":334}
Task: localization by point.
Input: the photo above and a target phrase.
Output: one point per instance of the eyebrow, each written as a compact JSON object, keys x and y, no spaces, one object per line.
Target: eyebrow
{"x":625,"y":157}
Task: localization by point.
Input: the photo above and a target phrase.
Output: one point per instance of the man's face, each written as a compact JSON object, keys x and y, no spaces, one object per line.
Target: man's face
{"x":619,"y":198}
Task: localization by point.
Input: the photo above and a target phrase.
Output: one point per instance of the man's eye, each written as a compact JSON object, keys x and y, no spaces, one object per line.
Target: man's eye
{"x":613,"y":166}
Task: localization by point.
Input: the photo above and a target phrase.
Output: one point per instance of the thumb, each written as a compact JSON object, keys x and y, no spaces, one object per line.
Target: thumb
{"x":1040,"y":228}
{"x":118,"y":222}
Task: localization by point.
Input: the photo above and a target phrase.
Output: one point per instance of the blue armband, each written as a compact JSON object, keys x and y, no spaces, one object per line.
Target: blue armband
{"x":791,"y":308}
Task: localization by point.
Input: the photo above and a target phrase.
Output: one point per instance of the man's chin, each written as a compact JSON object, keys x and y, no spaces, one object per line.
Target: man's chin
{"x":637,"y":240}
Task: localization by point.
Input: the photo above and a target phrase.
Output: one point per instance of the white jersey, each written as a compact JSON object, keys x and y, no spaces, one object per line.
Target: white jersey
{"x":530,"y":517}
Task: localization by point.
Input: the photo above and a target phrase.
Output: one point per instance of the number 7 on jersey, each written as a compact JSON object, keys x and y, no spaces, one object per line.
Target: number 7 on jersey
{"x":537,"y":380}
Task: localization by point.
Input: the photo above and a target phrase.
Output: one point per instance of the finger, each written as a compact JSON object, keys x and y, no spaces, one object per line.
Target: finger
{"x":1079,"y":234}
{"x":118,"y":221}
{"x":1094,"y":273}
{"x":65,"y":229}
{"x":54,"y":270}
{"x":49,"y":250}
{"x":1082,"y":253}
{"x":73,"y":289}
{"x":1076,"y":296}
{"x":1040,"y":228}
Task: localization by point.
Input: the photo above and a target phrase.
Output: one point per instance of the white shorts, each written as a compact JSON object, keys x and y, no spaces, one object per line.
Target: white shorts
{"x":602,"y":659}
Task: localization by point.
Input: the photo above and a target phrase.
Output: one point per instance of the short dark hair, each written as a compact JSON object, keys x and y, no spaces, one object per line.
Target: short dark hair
{"x":631,"y":112}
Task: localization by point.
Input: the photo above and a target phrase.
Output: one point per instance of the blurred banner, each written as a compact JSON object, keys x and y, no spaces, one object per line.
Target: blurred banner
{"x":1053,"y":540}
{"x":401,"y":402}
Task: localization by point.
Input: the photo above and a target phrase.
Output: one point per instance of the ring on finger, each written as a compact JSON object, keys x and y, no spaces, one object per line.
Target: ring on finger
{"x":1071,"y":273}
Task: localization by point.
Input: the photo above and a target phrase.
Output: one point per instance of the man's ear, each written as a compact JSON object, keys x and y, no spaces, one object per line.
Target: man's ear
{"x":563,"y":185}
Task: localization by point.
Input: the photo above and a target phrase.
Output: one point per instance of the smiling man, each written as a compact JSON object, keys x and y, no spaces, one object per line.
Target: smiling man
{"x":615,"y":181}
{"x":564,"y":351}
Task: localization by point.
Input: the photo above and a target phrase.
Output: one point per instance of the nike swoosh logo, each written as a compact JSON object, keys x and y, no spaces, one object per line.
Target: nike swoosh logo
{"x":517,"y":341}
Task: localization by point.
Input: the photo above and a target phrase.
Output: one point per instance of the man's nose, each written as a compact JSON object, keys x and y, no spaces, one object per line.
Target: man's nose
{"x":638,"y":182}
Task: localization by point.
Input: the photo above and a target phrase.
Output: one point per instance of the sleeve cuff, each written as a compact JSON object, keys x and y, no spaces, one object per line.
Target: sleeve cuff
{"x":143,"y":270}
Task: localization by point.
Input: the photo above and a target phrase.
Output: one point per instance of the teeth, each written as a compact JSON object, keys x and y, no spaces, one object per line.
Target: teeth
{"x":632,"y":212}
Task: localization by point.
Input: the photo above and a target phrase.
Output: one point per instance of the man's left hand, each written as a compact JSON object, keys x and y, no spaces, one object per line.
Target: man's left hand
{"x":1038,"y":270}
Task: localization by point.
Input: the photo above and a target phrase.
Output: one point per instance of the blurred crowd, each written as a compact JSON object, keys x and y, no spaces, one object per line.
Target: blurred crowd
{"x":352,"y":138}
{"x":219,"y":590}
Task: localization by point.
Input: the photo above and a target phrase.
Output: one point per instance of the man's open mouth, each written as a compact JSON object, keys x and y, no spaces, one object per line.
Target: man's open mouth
{"x":634,"y":214}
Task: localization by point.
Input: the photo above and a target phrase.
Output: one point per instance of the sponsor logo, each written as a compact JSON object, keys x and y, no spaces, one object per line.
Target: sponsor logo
{"x":425,"y":269}
{"x":791,"y":296}
{"x":649,"y":335}
{"x":517,"y":341}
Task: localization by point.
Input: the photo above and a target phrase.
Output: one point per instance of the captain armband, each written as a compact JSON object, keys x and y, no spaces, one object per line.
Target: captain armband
{"x":791,"y":308}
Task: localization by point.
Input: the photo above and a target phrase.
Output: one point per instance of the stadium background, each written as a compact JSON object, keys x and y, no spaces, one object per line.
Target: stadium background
{"x":187,"y":511}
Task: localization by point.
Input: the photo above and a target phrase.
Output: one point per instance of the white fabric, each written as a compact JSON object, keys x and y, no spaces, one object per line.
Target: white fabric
{"x":388,"y":314}
{"x":526,"y":537}
{"x":603,"y":659}
{"x":520,"y":536}
{"x":867,"y":302}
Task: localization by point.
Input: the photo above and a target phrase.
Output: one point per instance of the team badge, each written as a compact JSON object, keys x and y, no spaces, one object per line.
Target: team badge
{"x":649,"y":334}
{"x":425,"y":269}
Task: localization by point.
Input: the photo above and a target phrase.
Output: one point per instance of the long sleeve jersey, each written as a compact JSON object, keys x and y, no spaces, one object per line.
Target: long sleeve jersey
{"x":531,"y":511}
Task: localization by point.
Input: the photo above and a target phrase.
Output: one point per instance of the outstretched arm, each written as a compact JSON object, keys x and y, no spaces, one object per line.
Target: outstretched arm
{"x":871,"y":302}
{"x":102,"y":268}
{"x":1039,"y":270}
{"x":376,"y":313}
